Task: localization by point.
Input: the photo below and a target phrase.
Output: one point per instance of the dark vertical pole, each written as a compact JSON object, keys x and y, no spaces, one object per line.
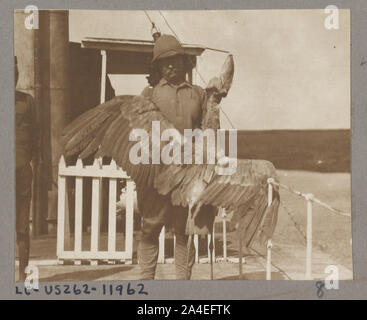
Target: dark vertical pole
{"x":59,"y":97}
{"x":38,"y":217}
{"x":45,"y":166}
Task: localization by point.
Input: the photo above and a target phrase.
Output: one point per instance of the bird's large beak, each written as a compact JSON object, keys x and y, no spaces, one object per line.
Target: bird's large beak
{"x":226,"y":75}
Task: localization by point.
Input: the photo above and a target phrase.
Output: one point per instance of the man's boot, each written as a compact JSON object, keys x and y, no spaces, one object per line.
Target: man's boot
{"x":148,"y":257}
{"x":184,"y":257}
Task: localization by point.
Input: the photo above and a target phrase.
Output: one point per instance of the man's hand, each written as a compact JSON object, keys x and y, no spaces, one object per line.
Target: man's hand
{"x":215,"y":85}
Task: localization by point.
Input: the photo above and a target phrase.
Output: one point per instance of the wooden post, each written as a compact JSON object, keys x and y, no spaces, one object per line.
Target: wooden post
{"x":39,"y":193}
{"x":174,"y":246}
{"x":269,"y":244}
{"x":240,"y":255}
{"x":268,"y":260}
{"x":224,"y":228}
{"x":112,"y":212}
{"x":67,"y":233}
{"x":78,"y":210}
{"x":213,"y":239}
{"x":162,"y":237}
{"x":96,"y":200}
{"x":56,"y":33}
{"x":61,"y":211}
{"x":103,"y":76}
{"x":99,"y":166}
{"x":309,"y":198}
{"x":270,"y":191}
{"x":196,"y":244}
{"x":129,"y":227}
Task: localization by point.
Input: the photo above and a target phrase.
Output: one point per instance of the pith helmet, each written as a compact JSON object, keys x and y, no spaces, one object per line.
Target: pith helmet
{"x":166,"y":46}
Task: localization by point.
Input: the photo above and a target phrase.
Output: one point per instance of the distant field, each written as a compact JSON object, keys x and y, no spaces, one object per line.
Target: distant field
{"x":312,"y":150}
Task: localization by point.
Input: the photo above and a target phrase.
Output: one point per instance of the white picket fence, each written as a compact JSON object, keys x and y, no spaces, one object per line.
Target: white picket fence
{"x":97,"y":171}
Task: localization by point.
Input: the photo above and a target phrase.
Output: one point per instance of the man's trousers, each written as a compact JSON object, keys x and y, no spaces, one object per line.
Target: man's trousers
{"x":23,"y":199}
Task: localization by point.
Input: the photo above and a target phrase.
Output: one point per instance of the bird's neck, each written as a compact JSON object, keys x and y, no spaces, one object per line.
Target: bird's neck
{"x":210,"y":115}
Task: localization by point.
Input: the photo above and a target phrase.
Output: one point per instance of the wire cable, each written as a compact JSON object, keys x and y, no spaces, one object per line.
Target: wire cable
{"x":150,"y":20}
{"x":169,"y":26}
{"x":228,"y":119}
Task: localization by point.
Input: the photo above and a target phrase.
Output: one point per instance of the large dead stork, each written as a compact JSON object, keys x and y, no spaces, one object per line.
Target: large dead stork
{"x":105,"y":131}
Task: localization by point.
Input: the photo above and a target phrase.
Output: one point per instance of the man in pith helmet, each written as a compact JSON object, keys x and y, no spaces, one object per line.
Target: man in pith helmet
{"x":181,"y":103}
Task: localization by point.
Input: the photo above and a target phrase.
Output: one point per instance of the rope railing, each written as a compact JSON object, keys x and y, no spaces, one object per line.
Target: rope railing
{"x":311,"y":196}
{"x":310,"y":199}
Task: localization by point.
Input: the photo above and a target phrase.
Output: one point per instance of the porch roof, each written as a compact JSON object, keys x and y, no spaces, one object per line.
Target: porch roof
{"x":133,"y":45}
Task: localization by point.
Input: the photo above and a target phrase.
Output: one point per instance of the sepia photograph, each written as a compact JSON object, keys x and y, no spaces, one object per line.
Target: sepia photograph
{"x":182,"y":145}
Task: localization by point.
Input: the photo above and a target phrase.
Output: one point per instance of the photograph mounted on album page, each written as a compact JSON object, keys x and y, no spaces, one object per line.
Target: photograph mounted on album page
{"x":157,"y":145}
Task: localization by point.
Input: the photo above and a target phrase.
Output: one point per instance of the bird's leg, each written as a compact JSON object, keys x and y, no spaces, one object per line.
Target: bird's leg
{"x":189,"y":244}
{"x":211,"y":246}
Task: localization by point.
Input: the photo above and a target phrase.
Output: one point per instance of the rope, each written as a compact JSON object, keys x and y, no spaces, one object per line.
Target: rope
{"x":150,"y":20}
{"x":312,"y":198}
{"x":295,"y":223}
{"x":201,"y":77}
{"x":175,"y":34}
{"x":173,"y":31}
{"x":274,"y":265}
{"x":228,"y":119}
{"x":300,"y":230}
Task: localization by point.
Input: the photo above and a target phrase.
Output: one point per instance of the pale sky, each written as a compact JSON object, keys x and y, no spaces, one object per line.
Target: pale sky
{"x":290,"y":71}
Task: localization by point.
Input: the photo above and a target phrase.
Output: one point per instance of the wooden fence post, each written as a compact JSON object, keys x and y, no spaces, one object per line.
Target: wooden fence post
{"x":161,"y":253}
{"x":269,"y":243}
{"x":112,"y":211}
{"x":78,"y":235}
{"x":196,"y":244}
{"x":129,"y":234}
{"x":224,"y":234}
{"x":309,"y":197}
{"x":61,"y":210}
{"x":96,"y":201}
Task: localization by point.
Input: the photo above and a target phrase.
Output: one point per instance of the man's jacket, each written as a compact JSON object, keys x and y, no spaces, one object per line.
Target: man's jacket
{"x":182,"y":105}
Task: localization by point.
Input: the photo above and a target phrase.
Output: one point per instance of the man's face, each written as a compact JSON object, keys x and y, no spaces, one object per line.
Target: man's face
{"x":172,"y":69}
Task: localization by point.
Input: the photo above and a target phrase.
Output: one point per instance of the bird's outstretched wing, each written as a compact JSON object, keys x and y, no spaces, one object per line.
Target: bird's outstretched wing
{"x":106,"y":130}
{"x":245,"y":192}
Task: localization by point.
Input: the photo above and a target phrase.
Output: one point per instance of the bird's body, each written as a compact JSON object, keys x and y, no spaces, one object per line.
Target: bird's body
{"x":106,"y":131}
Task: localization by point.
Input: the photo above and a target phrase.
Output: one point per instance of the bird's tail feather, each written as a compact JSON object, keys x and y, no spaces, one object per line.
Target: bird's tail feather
{"x":269,"y":221}
{"x":256,"y":221}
